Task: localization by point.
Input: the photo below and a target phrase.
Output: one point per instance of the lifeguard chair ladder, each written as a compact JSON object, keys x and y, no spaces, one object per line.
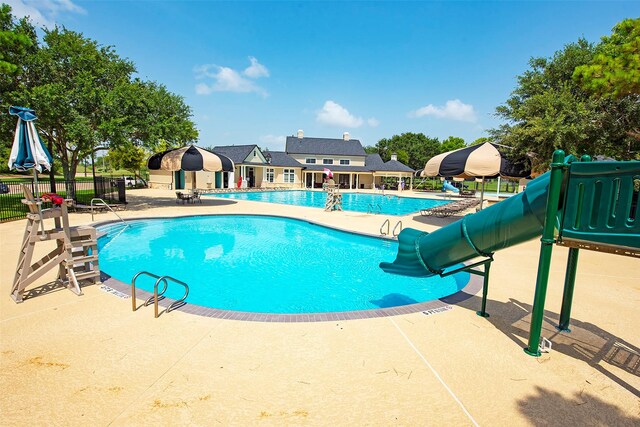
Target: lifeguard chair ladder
{"x":75,"y":252}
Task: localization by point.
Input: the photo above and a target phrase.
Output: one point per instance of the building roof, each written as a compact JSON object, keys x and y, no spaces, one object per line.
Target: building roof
{"x":324,"y":146}
{"x":282,"y":159}
{"x":335,"y":168}
{"x":395,"y":166}
{"x":375,"y":163}
{"x":237,"y":153}
{"x":318,"y":147}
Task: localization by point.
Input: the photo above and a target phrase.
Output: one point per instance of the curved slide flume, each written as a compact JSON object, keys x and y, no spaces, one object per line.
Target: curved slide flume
{"x":512,"y":221}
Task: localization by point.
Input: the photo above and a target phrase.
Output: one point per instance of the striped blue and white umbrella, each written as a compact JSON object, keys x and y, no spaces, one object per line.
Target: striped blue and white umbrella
{"x":28,"y":151}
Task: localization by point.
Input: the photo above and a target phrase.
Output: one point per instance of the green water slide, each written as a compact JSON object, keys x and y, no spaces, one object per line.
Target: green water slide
{"x":514,"y":220}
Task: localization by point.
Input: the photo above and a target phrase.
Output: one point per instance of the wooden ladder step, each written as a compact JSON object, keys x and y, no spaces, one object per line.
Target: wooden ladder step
{"x":87,"y":274}
{"x":83,"y":259}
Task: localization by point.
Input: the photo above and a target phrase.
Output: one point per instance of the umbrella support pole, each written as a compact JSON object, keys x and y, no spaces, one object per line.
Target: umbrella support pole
{"x":74,"y":253}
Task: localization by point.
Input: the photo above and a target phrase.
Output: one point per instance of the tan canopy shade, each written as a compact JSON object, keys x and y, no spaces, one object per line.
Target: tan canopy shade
{"x":483,"y":160}
{"x":190,"y":158}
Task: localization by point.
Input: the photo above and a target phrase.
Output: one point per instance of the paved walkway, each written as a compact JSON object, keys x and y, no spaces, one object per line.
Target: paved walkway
{"x":90,"y":360}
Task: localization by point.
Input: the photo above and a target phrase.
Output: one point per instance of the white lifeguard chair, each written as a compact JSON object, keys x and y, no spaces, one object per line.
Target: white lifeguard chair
{"x":75,"y":252}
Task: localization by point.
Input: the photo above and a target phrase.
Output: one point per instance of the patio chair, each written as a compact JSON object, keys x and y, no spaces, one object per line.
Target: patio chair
{"x":196,"y":196}
{"x":180,"y":196}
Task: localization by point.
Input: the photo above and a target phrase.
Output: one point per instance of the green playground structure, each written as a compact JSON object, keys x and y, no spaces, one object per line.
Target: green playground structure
{"x":579,"y":204}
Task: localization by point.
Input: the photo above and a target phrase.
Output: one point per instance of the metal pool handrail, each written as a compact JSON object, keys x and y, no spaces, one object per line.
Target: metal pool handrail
{"x":105,"y":204}
{"x":388,"y":224}
{"x":158,"y":295}
{"x":398,"y":224}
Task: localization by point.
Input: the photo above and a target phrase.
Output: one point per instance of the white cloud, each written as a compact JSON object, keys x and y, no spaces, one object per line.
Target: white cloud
{"x":229,"y":80}
{"x":256,"y":70}
{"x":274,"y":142}
{"x":44,"y":12}
{"x":453,"y":109}
{"x":373,"y":122}
{"x":334,"y":114}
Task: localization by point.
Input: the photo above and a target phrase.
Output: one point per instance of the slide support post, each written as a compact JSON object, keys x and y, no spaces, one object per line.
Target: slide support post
{"x":546,"y":248}
{"x":485,"y":289}
{"x":570,"y":280}
{"x":569,"y":284}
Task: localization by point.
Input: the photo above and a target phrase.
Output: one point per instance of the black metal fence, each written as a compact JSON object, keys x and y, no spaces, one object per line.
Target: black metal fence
{"x":110,"y":190}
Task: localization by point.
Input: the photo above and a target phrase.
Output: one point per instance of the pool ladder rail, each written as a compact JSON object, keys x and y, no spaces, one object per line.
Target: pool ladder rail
{"x":396,"y":229}
{"x":100,"y":203}
{"x":157,"y":296}
{"x":374,"y":209}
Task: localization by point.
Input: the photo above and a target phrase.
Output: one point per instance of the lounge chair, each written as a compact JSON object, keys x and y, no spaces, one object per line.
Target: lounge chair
{"x":196,"y":196}
{"x":450,"y":208}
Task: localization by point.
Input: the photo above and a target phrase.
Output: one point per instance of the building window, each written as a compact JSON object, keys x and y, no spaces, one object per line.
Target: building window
{"x":345,"y":162}
{"x":289,"y":175}
{"x":310,"y":161}
{"x":270,"y":175}
{"x":327,"y":161}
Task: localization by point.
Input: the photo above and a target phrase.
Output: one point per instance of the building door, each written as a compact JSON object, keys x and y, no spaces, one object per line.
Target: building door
{"x":309,"y":180}
{"x":178,"y":179}
{"x":251,"y":179}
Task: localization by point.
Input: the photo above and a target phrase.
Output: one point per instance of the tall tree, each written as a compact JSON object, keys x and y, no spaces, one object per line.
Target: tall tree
{"x":73,"y":78}
{"x":147,"y":114}
{"x":128,"y":156}
{"x":86,"y":100}
{"x":614,"y":70}
{"x":418,"y":148}
{"x":452,"y":143}
{"x":481,"y":140}
{"x":548,"y":110}
{"x":17,"y":41}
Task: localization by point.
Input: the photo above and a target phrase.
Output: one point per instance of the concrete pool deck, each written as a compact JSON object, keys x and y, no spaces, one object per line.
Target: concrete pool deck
{"x":90,"y":360}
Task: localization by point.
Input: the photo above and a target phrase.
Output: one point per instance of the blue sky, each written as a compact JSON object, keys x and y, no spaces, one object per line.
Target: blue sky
{"x":255,"y":72}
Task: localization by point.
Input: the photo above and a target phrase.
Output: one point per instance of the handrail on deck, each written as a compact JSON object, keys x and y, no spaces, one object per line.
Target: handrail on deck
{"x":103,"y":203}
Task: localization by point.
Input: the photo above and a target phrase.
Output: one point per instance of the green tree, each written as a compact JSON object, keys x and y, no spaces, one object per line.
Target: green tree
{"x":452,"y":143}
{"x":371,"y":149}
{"x":16,"y":40}
{"x":614,"y":70}
{"x":128,"y":156}
{"x":147,"y":114}
{"x":86,"y":100}
{"x":481,"y":140}
{"x":72,"y":79}
{"x":417,"y":147}
{"x":548,"y":110}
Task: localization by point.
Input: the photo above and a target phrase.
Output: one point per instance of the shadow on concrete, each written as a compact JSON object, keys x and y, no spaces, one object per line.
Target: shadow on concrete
{"x":586,"y":341}
{"x":435,"y":221}
{"x":546,"y":407}
{"x":47,"y":288}
{"x":140,"y":202}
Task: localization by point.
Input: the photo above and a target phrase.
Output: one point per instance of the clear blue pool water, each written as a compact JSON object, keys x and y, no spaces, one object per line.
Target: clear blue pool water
{"x":265,"y":264}
{"x":358,"y":202}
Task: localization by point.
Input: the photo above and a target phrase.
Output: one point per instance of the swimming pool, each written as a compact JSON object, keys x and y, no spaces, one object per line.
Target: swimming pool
{"x":265,"y":264}
{"x":358,"y":202}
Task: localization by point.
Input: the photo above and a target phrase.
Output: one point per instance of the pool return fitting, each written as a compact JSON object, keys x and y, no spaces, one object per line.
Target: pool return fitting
{"x":157,"y":296}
